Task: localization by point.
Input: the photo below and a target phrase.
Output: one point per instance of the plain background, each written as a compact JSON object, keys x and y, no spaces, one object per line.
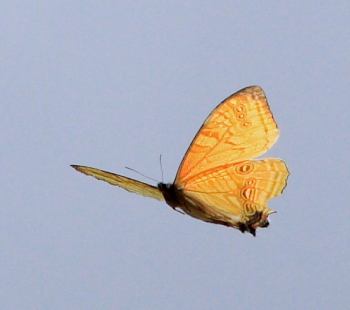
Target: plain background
{"x":111,"y":84}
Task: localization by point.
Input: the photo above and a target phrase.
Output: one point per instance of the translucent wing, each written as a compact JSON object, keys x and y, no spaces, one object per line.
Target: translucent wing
{"x":130,"y":185}
{"x":240,"y":128}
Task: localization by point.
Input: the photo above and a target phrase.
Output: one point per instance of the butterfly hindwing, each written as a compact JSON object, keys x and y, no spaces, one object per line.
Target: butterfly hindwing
{"x":254,"y":180}
{"x":237,"y":195}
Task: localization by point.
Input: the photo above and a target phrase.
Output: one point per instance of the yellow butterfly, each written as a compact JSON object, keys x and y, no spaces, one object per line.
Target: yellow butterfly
{"x":217,"y":181}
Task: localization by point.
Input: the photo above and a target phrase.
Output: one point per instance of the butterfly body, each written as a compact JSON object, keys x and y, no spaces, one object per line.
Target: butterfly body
{"x":218,"y":181}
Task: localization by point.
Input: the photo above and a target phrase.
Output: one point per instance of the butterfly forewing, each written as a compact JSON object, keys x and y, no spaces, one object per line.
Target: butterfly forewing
{"x":130,"y":185}
{"x":240,"y":128}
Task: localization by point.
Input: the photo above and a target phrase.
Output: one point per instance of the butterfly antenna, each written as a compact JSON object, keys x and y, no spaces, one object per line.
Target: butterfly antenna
{"x":161,"y":166}
{"x":145,"y":176}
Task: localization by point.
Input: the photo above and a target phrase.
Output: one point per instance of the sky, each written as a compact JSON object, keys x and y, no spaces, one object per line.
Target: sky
{"x":116,"y":84}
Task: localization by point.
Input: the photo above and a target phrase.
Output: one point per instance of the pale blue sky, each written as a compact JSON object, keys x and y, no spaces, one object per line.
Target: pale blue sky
{"x":111,"y":84}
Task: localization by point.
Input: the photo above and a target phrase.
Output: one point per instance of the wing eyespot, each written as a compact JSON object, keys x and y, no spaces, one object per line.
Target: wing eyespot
{"x":250,"y":182}
{"x":246,"y":124}
{"x":249,"y":209}
{"x":245,"y":168}
{"x":248,"y":193}
{"x":240,"y":108}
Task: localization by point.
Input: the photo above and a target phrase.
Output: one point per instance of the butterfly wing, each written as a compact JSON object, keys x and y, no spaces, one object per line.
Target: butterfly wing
{"x":128,"y":184}
{"x":237,"y":195}
{"x":240,"y":128}
{"x":255,"y":181}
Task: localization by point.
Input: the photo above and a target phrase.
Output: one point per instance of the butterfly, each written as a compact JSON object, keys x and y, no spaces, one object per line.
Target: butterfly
{"x":218,"y":181}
